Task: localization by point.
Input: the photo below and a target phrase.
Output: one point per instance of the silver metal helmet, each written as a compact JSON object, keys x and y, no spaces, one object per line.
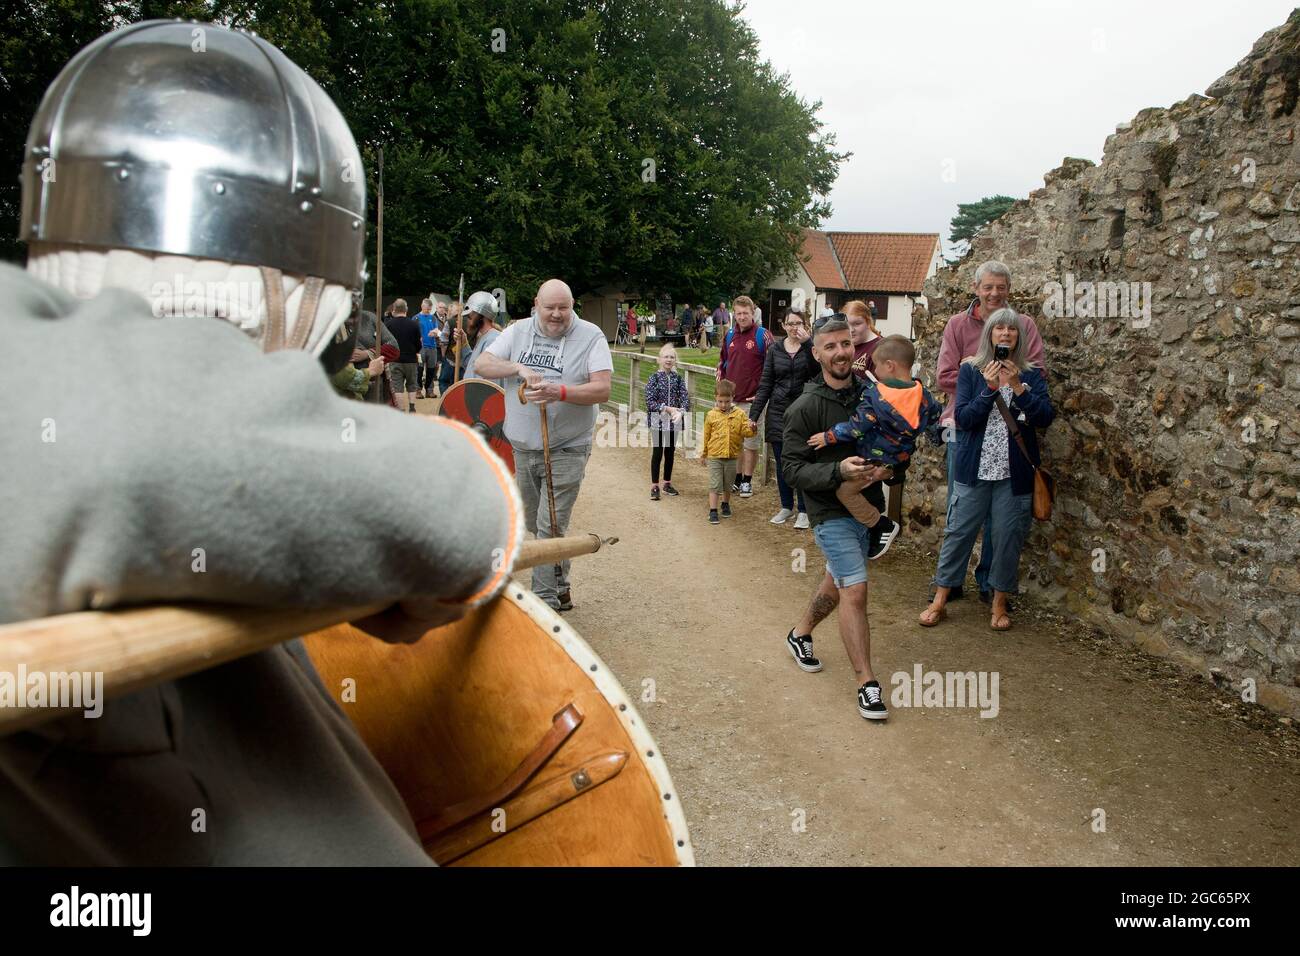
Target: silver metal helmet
{"x":201,"y":141}
{"x":483,"y":303}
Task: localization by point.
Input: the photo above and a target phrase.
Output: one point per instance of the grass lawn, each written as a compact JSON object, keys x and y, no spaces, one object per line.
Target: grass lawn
{"x":701,"y":383}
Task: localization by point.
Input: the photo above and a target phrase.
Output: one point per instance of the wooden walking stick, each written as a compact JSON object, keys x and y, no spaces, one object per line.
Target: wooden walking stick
{"x":550,"y":485}
{"x":136,"y":647}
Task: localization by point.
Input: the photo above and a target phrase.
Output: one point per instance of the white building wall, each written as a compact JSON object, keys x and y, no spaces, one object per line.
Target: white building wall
{"x":799,"y":280}
{"x":898,"y":318}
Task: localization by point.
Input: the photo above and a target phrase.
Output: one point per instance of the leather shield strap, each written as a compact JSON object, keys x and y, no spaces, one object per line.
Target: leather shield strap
{"x":562,"y":726}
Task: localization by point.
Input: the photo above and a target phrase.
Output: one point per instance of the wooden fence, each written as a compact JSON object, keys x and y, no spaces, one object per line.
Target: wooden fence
{"x":631,"y":372}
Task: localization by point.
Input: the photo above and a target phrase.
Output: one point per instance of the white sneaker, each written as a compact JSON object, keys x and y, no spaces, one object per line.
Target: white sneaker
{"x":746,"y":489}
{"x":782,"y":516}
{"x":801,"y":522}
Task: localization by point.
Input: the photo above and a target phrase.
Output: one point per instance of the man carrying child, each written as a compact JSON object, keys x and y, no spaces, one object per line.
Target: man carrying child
{"x":894,"y":411}
{"x":828,"y":400}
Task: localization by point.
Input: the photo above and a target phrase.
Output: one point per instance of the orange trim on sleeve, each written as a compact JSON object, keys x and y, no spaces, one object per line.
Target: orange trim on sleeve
{"x":506,"y":482}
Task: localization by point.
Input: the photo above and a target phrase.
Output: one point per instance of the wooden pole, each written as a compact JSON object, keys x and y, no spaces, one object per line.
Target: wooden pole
{"x":379,"y":256}
{"x":460,"y":325}
{"x":379,"y":287}
{"x":134,"y":648}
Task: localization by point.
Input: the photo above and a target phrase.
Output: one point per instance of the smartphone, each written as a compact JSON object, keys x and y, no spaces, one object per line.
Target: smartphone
{"x":1001,"y":351}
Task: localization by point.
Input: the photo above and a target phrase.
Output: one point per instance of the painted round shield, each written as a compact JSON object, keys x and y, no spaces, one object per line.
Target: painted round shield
{"x":481,"y":405}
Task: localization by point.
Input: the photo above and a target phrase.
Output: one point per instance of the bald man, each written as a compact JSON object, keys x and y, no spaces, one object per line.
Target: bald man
{"x":567,"y":365}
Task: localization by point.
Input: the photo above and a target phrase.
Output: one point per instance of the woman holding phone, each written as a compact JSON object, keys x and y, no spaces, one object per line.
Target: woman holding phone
{"x":991,"y":476}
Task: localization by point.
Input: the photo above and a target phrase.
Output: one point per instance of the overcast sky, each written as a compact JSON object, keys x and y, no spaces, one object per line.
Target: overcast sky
{"x":996,"y":94}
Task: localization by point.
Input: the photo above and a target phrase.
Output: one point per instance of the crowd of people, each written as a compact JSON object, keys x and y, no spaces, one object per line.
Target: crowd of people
{"x":419,"y":354}
{"x":843,"y":411}
{"x":835,"y":399}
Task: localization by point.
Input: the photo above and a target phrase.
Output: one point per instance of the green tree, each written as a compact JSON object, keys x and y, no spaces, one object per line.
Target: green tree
{"x":972,"y":216}
{"x":642,"y":145}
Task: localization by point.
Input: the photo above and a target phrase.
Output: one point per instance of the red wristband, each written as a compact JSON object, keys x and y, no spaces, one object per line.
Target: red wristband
{"x":563,"y":393}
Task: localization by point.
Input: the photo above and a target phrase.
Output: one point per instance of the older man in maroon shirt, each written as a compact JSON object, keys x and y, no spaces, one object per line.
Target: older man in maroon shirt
{"x":741,"y":362}
{"x":960,"y":341}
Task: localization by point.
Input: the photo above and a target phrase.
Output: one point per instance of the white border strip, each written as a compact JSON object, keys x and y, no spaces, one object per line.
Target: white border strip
{"x":603,"y":678}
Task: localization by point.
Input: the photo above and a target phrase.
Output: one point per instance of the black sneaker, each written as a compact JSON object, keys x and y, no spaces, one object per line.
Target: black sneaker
{"x":882,"y":536}
{"x":735,"y":487}
{"x":669,"y":489}
{"x":726,"y":510}
{"x":654,"y":492}
{"x":713,"y":516}
{"x":566,"y":600}
{"x":802,"y":650}
{"x":870,"y":703}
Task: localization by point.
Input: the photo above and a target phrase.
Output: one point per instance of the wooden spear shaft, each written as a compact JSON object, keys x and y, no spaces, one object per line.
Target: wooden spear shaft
{"x":460,"y":325}
{"x":137,"y":647}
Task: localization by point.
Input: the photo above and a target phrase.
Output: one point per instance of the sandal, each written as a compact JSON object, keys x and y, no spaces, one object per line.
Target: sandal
{"x":938,"y":616}
{"x":993,"y":622}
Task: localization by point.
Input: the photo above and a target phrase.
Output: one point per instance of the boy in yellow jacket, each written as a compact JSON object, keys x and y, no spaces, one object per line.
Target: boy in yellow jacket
{"x":725,"y":429}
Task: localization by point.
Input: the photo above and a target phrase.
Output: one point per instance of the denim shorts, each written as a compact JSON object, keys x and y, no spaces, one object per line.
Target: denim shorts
{"x":845,"y":544}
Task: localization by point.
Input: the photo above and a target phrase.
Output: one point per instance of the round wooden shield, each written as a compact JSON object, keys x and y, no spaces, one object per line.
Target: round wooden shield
{"x":511,"y":741}
{"x":481,"y":405}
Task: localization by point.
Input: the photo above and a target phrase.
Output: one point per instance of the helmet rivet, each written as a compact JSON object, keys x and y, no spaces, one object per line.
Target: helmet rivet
{"x":123,"y":173}
{"x":299,"y":186}
{"x":306,"y":206}
{"x":219,"y":188}
{"x":315,"y":190}
{"x":355,"y":225}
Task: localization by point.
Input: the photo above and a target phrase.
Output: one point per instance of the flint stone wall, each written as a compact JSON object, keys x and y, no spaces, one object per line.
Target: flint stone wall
{"x":1176,"y":445}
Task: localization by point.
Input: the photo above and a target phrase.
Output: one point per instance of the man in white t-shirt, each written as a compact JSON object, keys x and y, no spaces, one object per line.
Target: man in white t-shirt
{"x":567,"y":365}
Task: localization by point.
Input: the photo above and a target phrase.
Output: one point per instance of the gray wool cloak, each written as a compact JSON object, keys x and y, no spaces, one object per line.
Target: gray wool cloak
{"x":131,"y":442}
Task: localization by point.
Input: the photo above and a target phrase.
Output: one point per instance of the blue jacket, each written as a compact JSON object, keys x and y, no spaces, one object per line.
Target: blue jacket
{"x":428,"y":330}
{"x":975,"y":404}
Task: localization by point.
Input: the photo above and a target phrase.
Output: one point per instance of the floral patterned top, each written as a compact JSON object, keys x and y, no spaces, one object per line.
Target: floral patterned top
{"x":995,"y":455}
{"x":665,"y":388}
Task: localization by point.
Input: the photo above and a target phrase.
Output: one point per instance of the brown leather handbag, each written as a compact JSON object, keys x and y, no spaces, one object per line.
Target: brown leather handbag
{"x":1044,"y":483}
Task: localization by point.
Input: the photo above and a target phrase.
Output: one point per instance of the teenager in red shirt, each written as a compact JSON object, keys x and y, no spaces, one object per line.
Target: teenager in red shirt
{"x":743,"y":351}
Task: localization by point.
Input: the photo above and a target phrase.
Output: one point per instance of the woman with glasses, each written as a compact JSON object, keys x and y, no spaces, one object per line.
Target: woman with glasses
{"x":786,"y":367}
